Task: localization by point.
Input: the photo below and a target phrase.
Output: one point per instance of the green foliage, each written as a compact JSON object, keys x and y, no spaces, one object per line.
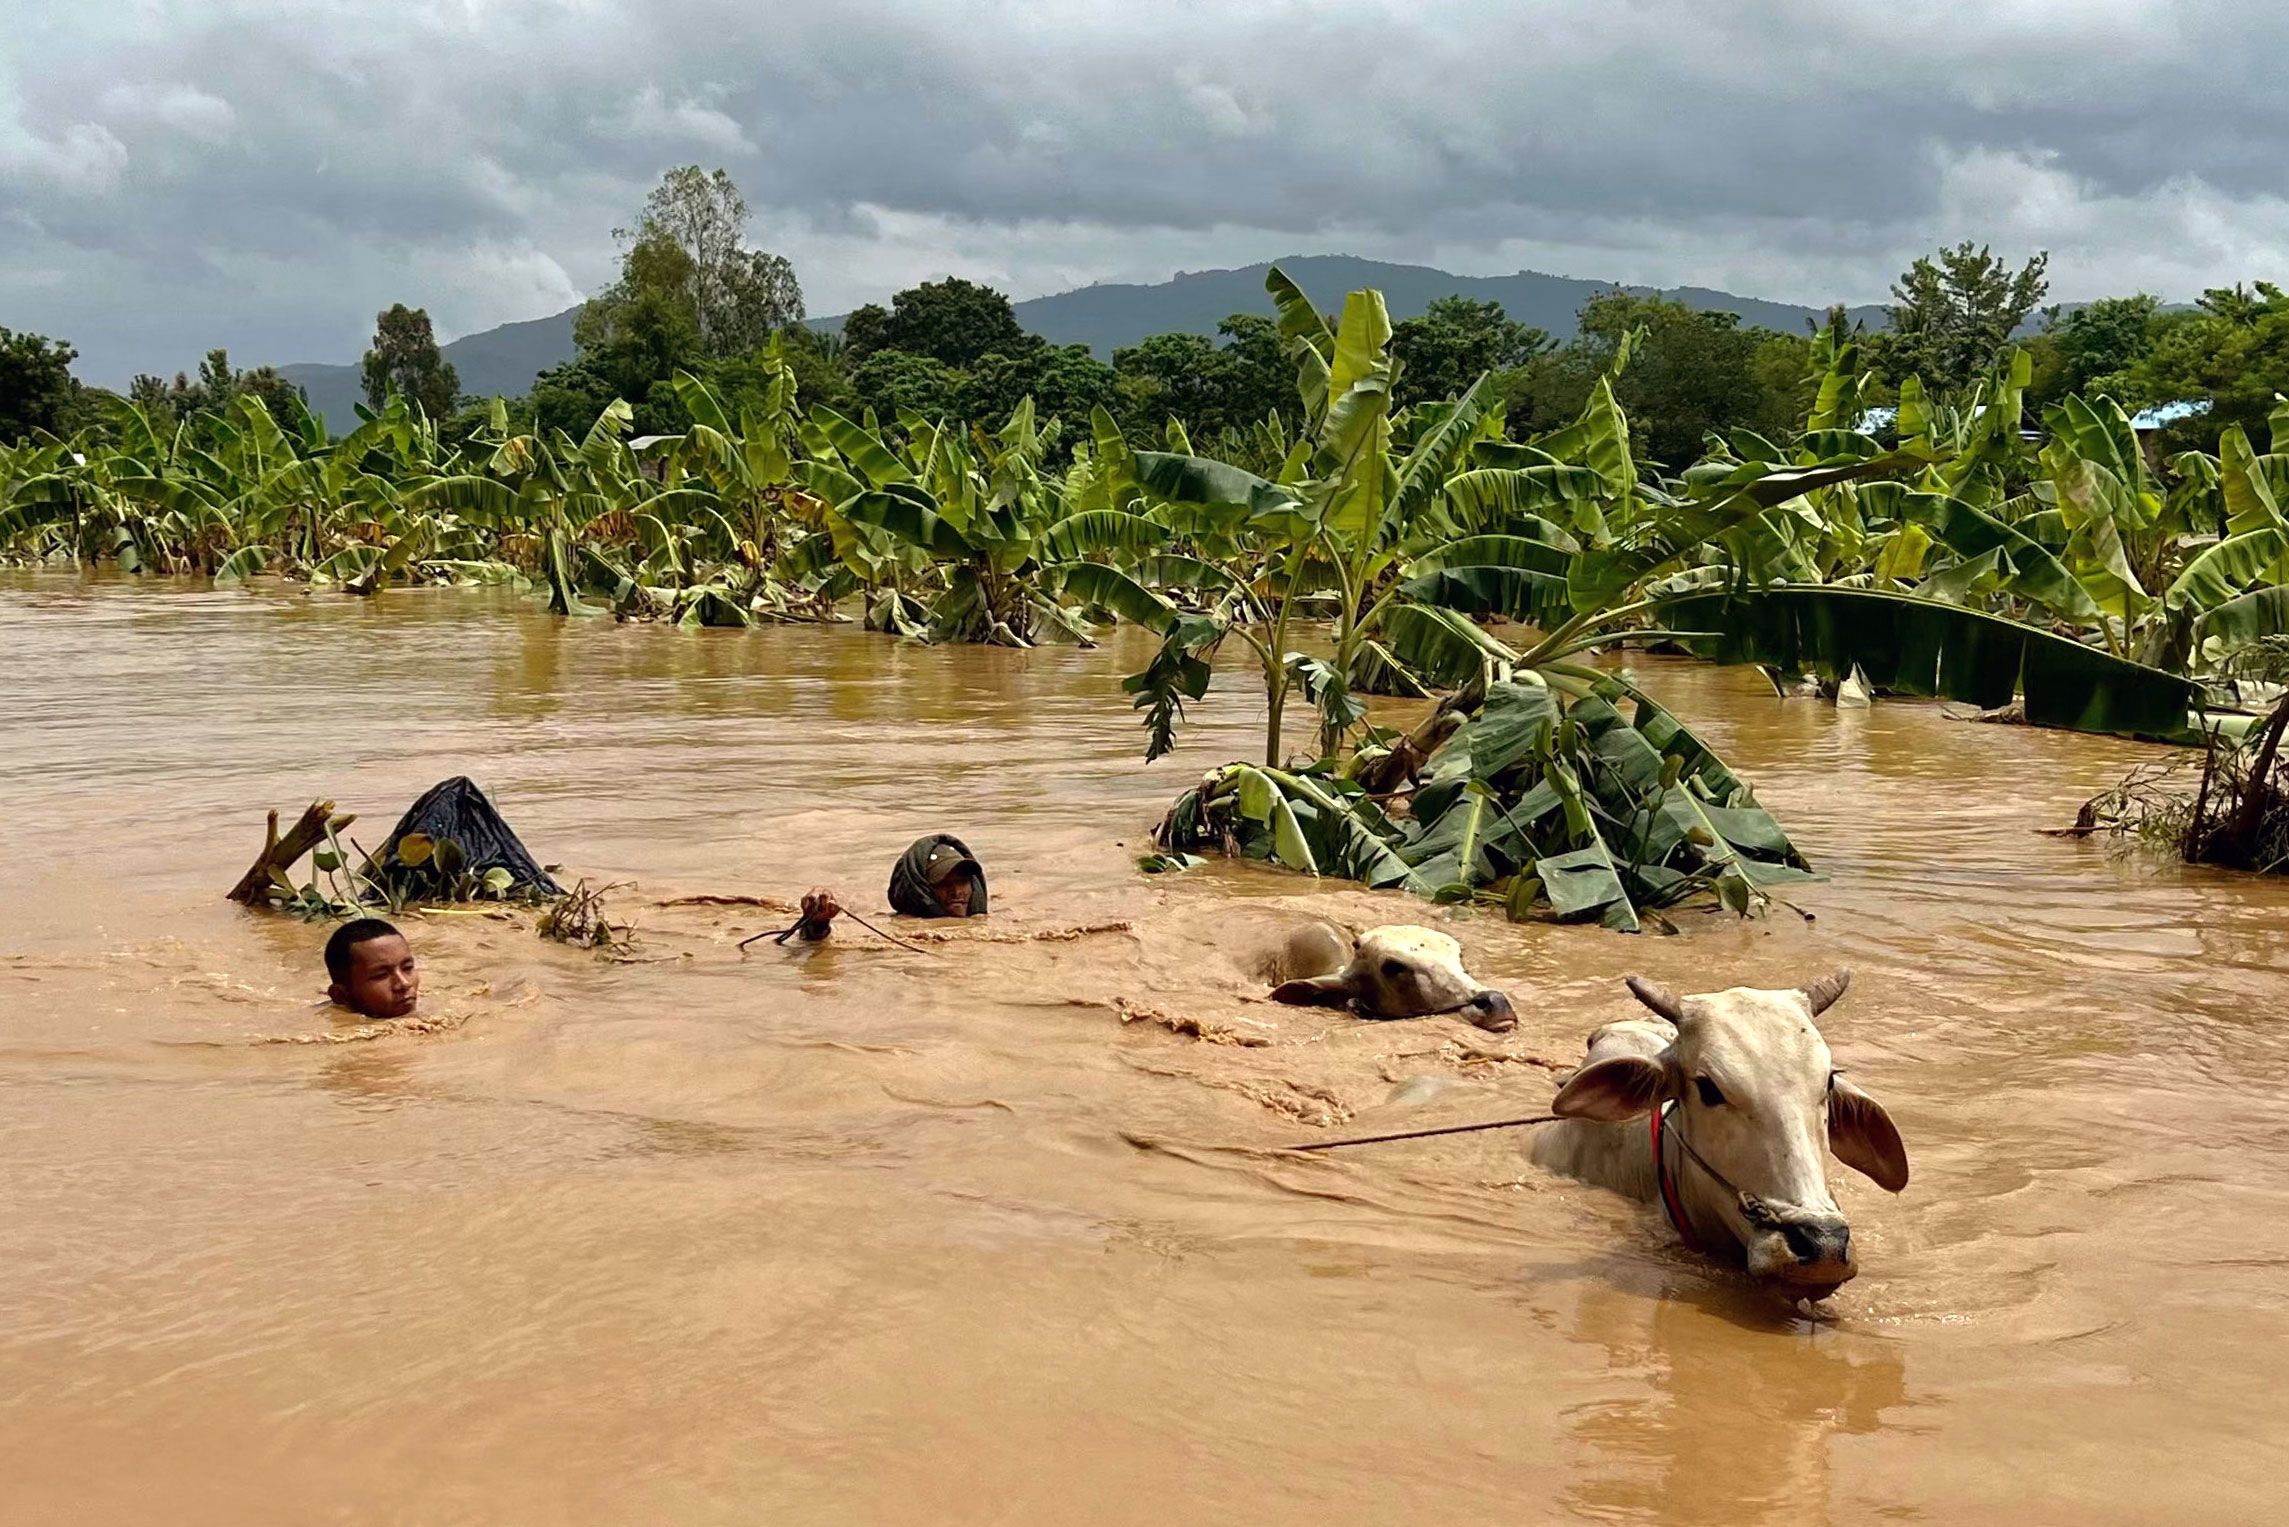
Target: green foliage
{"x":1064,"y":382}
{"x":895,"y":382}
{"x":1212,"y":388}
{"x":954,"y":322}
{"x":1687,"y":374}
{"x":37,"y":388}
{"x":2094,"y":349}
{"x":404,"y":359}
{"x":1952,"y":314}
{"x":2231,"y":353}
{"x":199,"y":401}
{"x":1455,"y":342}
{"x":687,"y":259}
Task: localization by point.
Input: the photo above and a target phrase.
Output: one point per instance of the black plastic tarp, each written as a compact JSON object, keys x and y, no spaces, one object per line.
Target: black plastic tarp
{"x":457,"y":813}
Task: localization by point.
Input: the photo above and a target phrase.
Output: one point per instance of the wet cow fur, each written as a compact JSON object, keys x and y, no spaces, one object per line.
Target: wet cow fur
{"x":1757,"y":1094}
{"x":1401,"y":971}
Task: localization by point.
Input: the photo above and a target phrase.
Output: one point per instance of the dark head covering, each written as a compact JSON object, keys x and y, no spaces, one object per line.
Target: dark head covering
{"x":457,"y":812}
{"x":924,"y":865}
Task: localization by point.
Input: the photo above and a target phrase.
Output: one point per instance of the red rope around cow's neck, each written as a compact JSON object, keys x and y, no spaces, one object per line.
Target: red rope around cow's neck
{"x":1667,"y":1182}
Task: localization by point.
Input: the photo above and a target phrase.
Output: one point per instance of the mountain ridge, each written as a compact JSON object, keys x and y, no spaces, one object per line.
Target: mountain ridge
{"x":1107,"y":316}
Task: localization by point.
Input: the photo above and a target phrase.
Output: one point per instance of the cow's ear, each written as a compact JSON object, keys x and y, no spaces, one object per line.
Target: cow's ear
{"x":1318,"y":991}
{"x":1863,"y":1136}
{"x":1622,"y":1087}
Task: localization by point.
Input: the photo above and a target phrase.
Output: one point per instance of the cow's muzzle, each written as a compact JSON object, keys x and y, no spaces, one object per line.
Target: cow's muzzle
{"x":1810,"y":1255}
{"x":1491,"y":1011}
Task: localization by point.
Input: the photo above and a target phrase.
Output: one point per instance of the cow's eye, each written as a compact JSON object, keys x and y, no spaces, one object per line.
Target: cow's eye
{"x":1393,"y":970}
{"x":1712,"y":1096}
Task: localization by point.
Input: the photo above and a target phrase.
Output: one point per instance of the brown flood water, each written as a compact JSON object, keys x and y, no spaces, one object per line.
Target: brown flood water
{"x":853,"y":1235}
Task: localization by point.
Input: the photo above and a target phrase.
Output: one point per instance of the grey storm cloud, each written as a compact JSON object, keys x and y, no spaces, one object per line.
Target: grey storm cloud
{"x":265,"y":174}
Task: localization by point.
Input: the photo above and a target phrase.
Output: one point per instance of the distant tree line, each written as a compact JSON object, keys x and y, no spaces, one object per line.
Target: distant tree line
{"x":691,"y":295}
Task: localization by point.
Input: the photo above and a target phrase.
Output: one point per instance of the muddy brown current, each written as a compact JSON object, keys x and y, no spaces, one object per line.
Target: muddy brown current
{"x":855,"y":1235}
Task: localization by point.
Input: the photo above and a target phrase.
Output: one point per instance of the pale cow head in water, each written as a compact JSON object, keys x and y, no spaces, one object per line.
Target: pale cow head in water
{"x":1403,"y":972}
{"x":1758,"y":1104}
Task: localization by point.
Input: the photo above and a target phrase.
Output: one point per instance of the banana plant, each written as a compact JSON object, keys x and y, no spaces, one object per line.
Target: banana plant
{"x":1542,"y":781}
{"x":980,"y":511}
{"x":564,"y":507}
{"x":1335,"y":537}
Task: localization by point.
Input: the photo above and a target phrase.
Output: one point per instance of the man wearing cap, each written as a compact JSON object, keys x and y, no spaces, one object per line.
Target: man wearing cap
{"x":938,"y":877}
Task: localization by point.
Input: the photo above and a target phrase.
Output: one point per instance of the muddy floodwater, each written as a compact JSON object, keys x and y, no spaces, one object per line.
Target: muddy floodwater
{"x":857,"y":1235}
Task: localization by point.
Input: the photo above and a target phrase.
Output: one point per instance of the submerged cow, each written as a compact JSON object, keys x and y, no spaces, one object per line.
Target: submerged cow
{"x":1400,"y":971}
{"x":1741,"y":1095}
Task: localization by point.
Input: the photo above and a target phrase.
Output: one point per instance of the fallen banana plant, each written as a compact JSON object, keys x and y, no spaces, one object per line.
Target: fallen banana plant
{"x":1573,"y":796}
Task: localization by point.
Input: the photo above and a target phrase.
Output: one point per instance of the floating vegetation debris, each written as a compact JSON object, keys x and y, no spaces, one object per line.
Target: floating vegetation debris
{"x":578,"y":918}
{"x":2226,"y":806}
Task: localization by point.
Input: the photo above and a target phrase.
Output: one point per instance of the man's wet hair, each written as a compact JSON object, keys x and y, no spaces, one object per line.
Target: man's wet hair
{"x":359,"y":930}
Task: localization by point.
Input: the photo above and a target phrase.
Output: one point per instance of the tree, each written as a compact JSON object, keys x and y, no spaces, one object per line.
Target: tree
{"x":1209,"y":387}
{"x":216,"y":385}
{"x":37,"y":389}
{"x":1065,"y":382}
{"x":1951,"y":316}
{"x":954,"y":322}
{"x":736,"y":296}
{"x":889,"y":380}
{"x":2092,"y":349}
{"x":1180,"y":376}
{"x":643,"y":328}
{"x":1263,"y":378}
{"x":570,"y":397}
{"x":1455,"y":342}
{"x":285,"y":400}
{"x":404,"y":359}
{"x":2231,"y":352}
{"x":865,"y":330}
{"x":1689,"y":373}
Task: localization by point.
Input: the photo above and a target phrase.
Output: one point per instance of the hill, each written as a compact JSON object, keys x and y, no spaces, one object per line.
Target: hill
{"x":500,"y":361}
{"x":1107,"y":317}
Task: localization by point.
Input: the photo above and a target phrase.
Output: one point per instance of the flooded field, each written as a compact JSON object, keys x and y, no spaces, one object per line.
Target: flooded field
{"x":855,"y":1235}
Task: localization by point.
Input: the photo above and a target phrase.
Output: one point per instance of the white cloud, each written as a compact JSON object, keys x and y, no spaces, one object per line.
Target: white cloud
{"x":2173,"y":239}
{"x":469,"y":288}
{"x":650,"y":115}
{"x":85,"y":159}
{"x":474,"y":155}
{"x":176,"y":107}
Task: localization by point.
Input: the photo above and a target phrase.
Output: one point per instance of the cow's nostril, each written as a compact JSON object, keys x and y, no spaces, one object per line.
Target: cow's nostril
{"x":1818,"y":1243}
{"x":1490,"y":1010}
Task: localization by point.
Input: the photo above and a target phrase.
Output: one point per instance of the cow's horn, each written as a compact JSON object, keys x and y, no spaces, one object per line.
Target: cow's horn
{"x":1822,"y":994}
{"x":1657,"y":997}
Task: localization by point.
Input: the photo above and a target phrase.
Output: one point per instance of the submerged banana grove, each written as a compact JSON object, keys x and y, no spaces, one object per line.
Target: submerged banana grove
{"x":1350,"y":545}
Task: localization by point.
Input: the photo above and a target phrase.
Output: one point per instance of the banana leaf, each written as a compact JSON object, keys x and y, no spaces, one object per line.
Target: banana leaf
{"x":1441,"y":648}
{"x":2249,"y":618}
{"x":1107,"y":588}
{"x":1209,"y":483}
{"x":1722,"y":501}
{"x":1920,"y":647}
{"x":1100,"y":532}
{"x":2025,"y":567}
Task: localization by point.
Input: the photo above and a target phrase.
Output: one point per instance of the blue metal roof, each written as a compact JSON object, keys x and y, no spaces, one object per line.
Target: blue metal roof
{"x":2170,"y":413}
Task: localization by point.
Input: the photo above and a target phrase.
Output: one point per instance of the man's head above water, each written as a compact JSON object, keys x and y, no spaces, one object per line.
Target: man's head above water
{"x":938,"y":876}
{"x":953,"y":880}
{"x":370,"y":970}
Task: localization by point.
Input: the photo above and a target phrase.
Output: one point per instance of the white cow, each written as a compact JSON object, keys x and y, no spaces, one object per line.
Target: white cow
{"x":1400,"y":971}
{"x":1719,"y":1108}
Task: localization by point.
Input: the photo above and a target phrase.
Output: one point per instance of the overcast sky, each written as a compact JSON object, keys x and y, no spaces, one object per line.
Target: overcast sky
{"x":265,"y":174}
